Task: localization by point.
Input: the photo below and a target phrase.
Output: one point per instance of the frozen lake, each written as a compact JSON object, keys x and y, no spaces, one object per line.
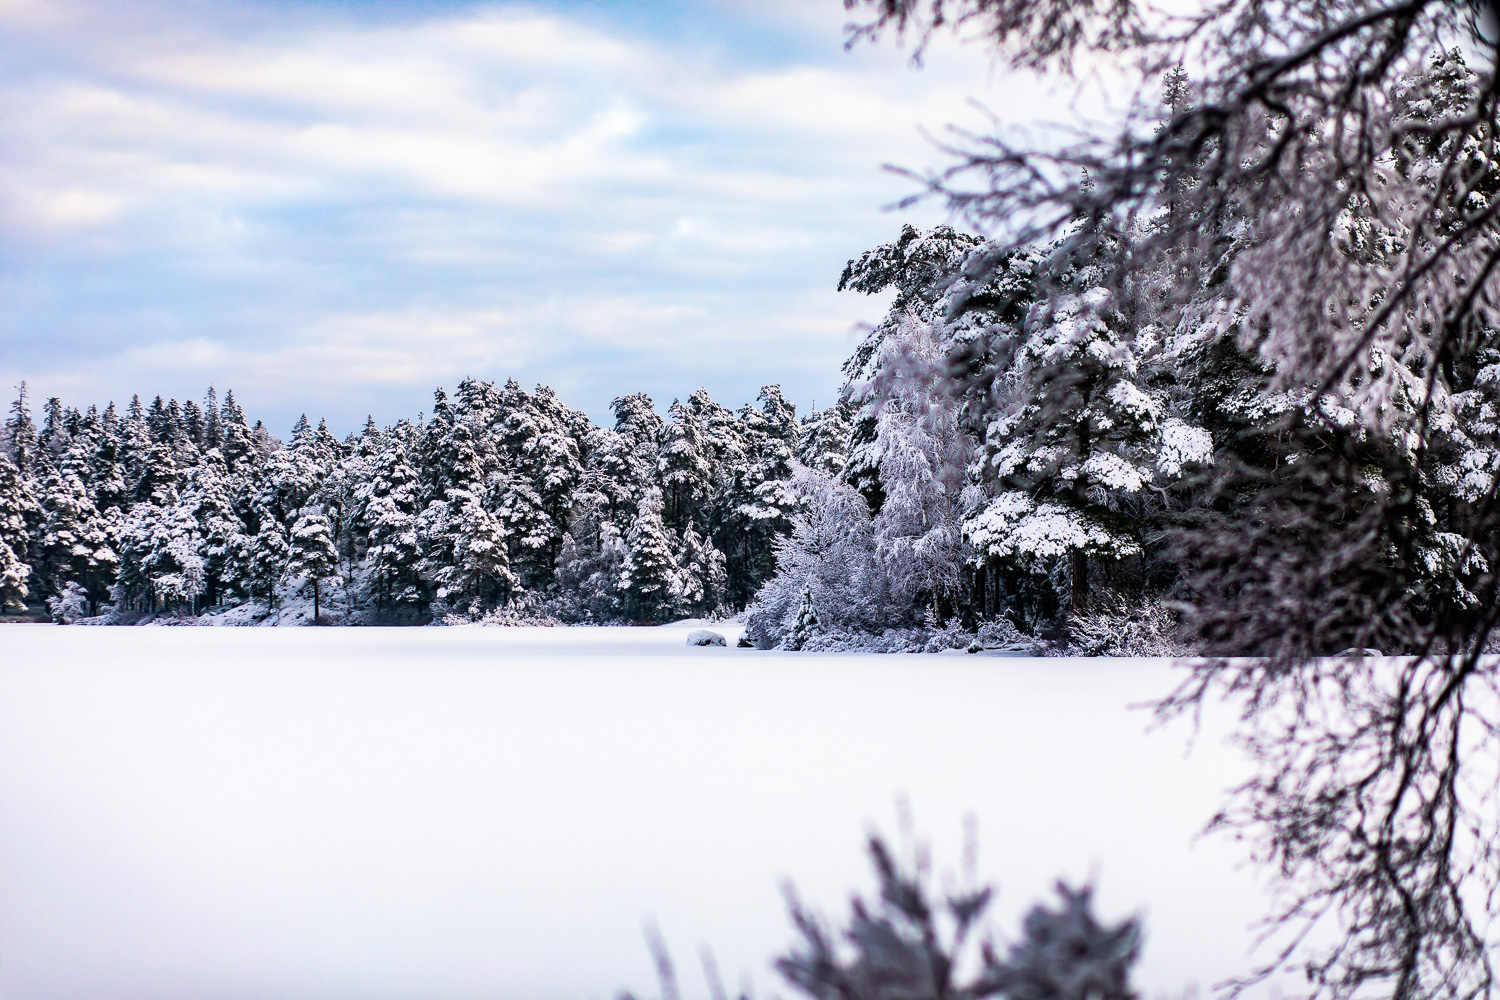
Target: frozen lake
{"x":443,"y":813}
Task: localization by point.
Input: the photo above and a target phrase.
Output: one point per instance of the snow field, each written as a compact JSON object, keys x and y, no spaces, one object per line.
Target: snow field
{"x":466,"y":812}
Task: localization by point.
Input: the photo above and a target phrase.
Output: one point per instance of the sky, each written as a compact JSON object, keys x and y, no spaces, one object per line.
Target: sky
{"x":334,"y":208}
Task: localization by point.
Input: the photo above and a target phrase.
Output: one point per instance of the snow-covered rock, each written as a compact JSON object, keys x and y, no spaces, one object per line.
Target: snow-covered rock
{"x":704,"y":637}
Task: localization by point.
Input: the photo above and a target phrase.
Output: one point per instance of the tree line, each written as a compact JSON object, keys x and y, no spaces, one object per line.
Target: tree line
{"x":498,"y":495}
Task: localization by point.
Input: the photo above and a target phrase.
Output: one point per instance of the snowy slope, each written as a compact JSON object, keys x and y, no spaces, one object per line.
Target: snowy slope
{"x":470,"y":812}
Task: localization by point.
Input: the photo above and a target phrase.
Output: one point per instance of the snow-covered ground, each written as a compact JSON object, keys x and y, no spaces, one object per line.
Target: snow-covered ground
{"x":467,"y":812}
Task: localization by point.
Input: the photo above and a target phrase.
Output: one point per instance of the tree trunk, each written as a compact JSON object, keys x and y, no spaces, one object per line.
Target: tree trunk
{"x":1080,"y":581}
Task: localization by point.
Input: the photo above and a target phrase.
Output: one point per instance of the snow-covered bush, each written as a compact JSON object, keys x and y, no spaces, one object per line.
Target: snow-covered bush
{"x":911,"y":943}
{"x":1114,"y":625}
{"x":908,"y":942}
{"x":527,"y":610}
{"x":70,"y":605}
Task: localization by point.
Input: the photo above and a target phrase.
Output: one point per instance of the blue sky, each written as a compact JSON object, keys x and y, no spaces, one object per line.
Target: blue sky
{"x":336,"y":207}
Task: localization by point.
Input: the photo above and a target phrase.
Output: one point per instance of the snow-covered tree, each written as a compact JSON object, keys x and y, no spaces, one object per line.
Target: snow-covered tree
{"x":650,"y":576}
{"x":21,"y":441}
{"x":806,"y":625}
{"x":1361,"y":279}
{"x":389,"y":519}
{"x":829,"y":557}
{"x":74,"y":546}
{"x":823,"y":442}
{"x":312,"y":557}
{"x":683,"y":468}
{"x":16,"y":507}
{"x":269,"y":551}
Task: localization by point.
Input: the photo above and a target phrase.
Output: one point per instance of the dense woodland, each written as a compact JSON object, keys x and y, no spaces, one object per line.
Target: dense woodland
{"x":498,"y":495}
{"x":1043,"y":450}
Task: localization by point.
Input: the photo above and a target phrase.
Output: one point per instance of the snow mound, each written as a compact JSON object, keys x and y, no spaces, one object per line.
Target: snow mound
{"x":704,"y":637}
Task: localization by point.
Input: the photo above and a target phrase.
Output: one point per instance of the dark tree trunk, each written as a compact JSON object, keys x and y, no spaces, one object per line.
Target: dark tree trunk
{"x":1080,"y":581}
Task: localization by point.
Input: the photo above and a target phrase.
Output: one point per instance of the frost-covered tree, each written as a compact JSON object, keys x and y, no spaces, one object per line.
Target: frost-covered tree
{"x":160,"y":565}
{"x":1361,"y":279}
{"x":481,"y":568}
{"x":829,"y":559}
{"x":226,"y":548}
{"x":806,"y":625}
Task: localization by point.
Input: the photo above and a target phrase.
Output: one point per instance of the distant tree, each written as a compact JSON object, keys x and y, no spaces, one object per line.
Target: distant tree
{"x":807,"y":625}
{"x":650,"y":575}
{"x":270,"y":549}
{"x":21,"y":441}
{"x":312,"y":557}
{"x":16,"y":506}
{"x":682,"y":467}
{"x":823,"y":442}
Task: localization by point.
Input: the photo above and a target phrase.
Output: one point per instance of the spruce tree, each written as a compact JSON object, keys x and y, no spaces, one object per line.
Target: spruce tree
{"x":213,"y":423}
{"x":226,"y":547}
{"x":21,"y":441}
{"x":55,"y":435}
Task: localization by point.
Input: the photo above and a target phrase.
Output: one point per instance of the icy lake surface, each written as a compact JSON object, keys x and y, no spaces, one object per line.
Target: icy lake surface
{"x":441,"y":813}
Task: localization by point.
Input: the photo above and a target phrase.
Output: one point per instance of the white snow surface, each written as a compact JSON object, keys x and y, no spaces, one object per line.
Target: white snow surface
{"x":493,"y":812}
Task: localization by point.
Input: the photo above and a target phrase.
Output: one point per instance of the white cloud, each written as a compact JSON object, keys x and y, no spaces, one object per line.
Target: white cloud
{"x":482,"y":192}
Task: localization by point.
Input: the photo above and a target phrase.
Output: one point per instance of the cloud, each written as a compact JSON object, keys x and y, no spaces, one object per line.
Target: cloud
{"x":330,"y":212}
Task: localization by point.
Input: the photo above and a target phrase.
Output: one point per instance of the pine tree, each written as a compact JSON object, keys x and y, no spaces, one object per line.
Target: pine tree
{"x":312,"y":556}
{"x":194,"y":425}
{"x":226,"y":548}
{"x":481,"y":566}
{"x":16,"y":507}
{"x":682,"y":468}
{"x":55,"y":436}
{"x":388,"y":518}
{"x":239,"y":442}
{"x":650,"y":576}
{"x":21,"y":442}
{"x":689,"y":571}
{"x":823,"y":442}
{"x":213,"y":422}
{"x":74,"y":543}
{"x":270,"y":550}
{"x":806,"y":626}
{"x":160,"y":564}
